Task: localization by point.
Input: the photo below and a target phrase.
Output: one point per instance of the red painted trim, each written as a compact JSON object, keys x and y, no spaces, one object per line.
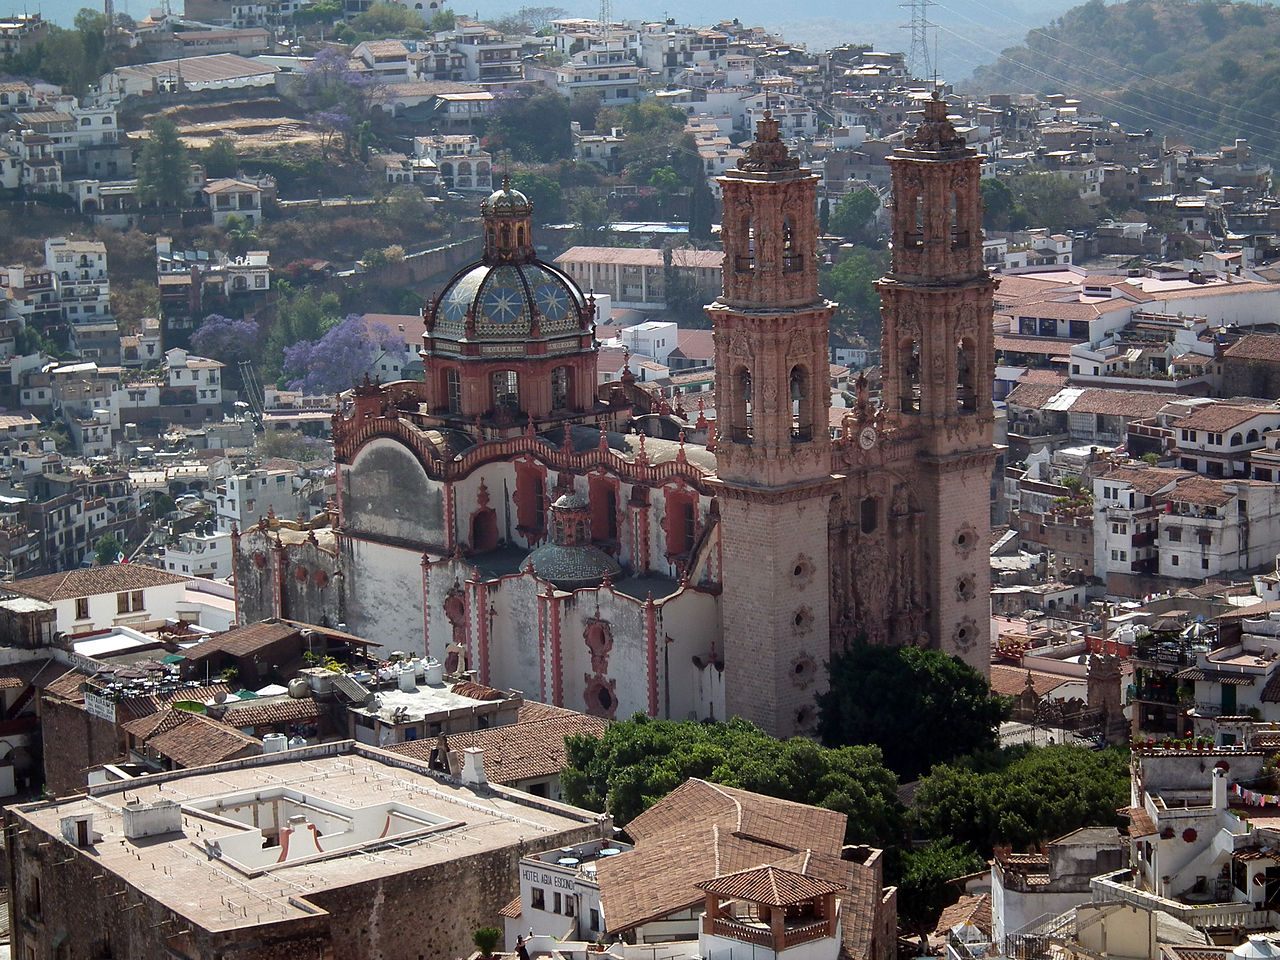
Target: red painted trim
{"x":450,"y":521}
{"x":543,"y":640}
{"x":651,"y":646}
{"x":557,"y":656}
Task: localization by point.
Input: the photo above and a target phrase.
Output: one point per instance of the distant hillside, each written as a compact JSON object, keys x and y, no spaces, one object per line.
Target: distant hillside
{"x":1207,"y":71}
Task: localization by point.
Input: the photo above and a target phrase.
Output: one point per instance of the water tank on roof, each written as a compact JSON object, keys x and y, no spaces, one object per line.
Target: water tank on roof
{"x":433,"y":674}
{"x":299,"y":688}
{"x":407,"y":683}
{"x":275,"y":743}
{"x":295,"y":742}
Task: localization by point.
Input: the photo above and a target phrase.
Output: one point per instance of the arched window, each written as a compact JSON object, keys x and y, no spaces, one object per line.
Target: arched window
{"x":869,"y":515}
{"x":801,"y":406}
{"x":1237,"y":439}
{"x":560,"y":390}
{"x":745,"y":261}
{"x":791,"y":259}
{"x":909,"y":376}
{"x":506,"y":389}
{"x":740,"y":407}
{"x":966,"y":377}
{"x":1252,"y":437}
{"x":453,"y":390}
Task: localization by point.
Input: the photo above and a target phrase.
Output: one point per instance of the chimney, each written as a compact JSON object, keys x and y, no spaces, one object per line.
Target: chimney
{"x":1219,"y":789}
{"x":473,"y":767}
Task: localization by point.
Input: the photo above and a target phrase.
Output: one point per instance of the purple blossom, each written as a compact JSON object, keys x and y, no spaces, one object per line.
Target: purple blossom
{"x":340,"y":358}
{"x":226,"y":339}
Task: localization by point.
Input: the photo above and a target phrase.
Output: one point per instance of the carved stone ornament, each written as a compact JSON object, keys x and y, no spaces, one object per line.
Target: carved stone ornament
{"x":965,"y":540}
{"x":966,"y":634}
{"x":964,"y":587}
{"x":802,"y":570}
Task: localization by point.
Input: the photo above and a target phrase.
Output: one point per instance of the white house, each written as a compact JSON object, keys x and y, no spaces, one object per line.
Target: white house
{"x":102,"y":597}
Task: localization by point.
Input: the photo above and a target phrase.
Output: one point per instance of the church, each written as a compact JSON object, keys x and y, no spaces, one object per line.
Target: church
{"x":608,"y":551}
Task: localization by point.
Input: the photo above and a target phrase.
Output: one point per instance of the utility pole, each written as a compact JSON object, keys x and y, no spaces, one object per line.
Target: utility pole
{"x":919,"y":63}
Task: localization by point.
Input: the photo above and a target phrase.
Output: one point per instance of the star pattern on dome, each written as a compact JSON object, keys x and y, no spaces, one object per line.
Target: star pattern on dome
{"x":502,"y":305}
{"x":552,"y":300}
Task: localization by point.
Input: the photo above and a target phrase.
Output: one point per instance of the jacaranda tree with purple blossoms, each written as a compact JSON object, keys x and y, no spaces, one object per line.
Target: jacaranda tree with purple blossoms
{"x":340,"y":358}
{"x":226,"y":339}
{"x":338,"y":95}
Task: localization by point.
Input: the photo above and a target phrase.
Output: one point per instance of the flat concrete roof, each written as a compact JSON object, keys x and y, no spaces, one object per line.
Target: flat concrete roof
{"x":176,"y":870}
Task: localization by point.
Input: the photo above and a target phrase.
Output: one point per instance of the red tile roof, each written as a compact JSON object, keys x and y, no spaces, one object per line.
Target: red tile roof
{"x":1219,"y":417}
{"x":91,"y":581}
{"x":198,"y":741}
{"x":768,"y":885}
{"x":519,"y":751}
{"x":1264,"y":347}
{"x":1202,"y":492}
{"x":243,"y":641}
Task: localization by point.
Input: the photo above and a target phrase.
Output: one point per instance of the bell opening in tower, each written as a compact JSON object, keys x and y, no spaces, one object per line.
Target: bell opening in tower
{"x":801,"y":406}
{"x":740,"y":407}
{"x":909,"y":380}
{"x":966,"y":371}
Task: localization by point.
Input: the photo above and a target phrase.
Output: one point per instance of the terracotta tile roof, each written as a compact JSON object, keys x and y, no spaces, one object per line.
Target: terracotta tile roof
{"x":768,"y":885}
{"x":1140,"y":822}
{"x":1219,"y":417}
{"x":518,"y":751}
{"x":1255,"y":346}
{"x":146,"y":727}
{"x":243,"y":641}
{"x":530,"y":711}
{"x":1146,"y":480}
{"x":1021,"y":343}
{"x":702,"y":828}
{"x":1120,"y":403}
{"x":968,"y":909}
{"x":198,"y":741}
{"x":253,"y":713}
{"x":14,"y":676}
{"x":511,"y":910}
{"x":1010,"y":681}
{"x":90,"y":581}
{"x":1033,"y":396}
{"x":67,"y":686}
{"x":1202,"y":492}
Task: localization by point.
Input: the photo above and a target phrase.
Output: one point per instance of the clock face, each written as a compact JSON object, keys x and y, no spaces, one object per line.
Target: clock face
{"x":552,"y":300}
{"x":867,"y":438}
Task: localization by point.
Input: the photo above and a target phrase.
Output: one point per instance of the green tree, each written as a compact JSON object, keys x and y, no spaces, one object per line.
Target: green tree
{"x":902,"y":699}
{"x":546,"y":195}
{"x":924,"y":887}
{"x":388,"y":20}
{"x":163,"y":167}
{"x":107,"y":550}
{"x":441,"y":20}
{"x":591,"y":220}
{"x":534,"y":129}
{"x":485,"y":939}
{"x":240,"y":234}
{"x":851,"y":284}
{"x":322,"y":11}
{"x":1032,"y":795}
{"x":303,"y":315}
{"x":654,"y":136}
{"x":999,"y":210}
{"x":220,"y":159}
{"x":852,"y":216}
{"x":1050,"y":200}
{"x":637,"y":762}
{"x":702,"y":209}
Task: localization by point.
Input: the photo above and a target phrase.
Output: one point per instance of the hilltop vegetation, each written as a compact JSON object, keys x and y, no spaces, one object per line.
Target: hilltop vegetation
{"x":1202,"y":70}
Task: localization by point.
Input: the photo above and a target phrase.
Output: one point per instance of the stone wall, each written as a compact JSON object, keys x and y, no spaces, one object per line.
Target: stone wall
{"x":74,"y":741}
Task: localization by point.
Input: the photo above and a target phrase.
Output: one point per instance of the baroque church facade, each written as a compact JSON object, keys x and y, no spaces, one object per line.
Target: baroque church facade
{"x":605,"y":550}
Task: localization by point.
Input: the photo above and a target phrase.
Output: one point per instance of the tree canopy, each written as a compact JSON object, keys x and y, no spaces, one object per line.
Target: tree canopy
{"x":534,"y":129}
{"x":920,"y":707}
{"x":924,"y":882}
{"x":342,"y":355}
{"x":108,"y":550}
{"x":637,"y":762}
{"x":851,"y":284}
{"x":70,"y":58}
{"x":226,"y":339}
{"x":852,"y":217}
{"x":163,"y":166}
{"x":1031,"y":796}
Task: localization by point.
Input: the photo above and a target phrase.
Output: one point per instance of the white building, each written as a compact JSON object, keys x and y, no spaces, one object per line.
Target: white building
{"x":102,"y":597}
{"x":239,"y":498}
{"x":202,"y":552}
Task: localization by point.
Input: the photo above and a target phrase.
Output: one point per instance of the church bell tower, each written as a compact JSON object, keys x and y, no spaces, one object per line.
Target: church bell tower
{"x":773,"y":446}
{"x":937,"y":355}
